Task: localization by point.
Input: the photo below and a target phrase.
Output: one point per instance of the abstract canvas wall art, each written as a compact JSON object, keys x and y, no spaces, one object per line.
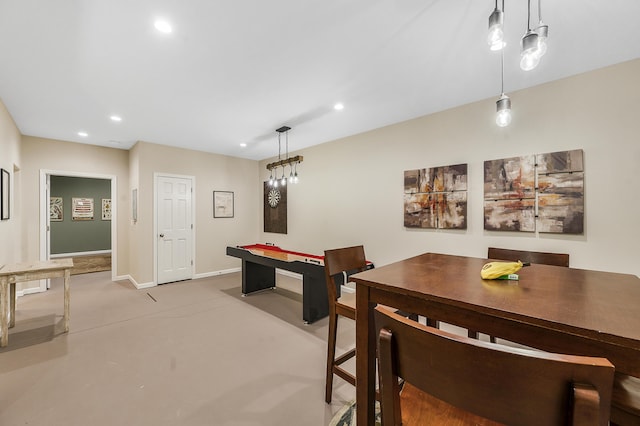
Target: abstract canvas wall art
{"x":453,"y":210}
{"x":561,"y":192}
{"x":436,"y":197}
{"x":510,"y":215}
{"x":560,"y":162}
{"x":509,"y":194}
{"x":510,"y":178}
{"x":543,"y":193}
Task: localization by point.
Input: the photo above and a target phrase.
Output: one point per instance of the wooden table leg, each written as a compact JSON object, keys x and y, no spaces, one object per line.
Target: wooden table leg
{"x":4,"y":311}
{"x":67,"y":296}
{"x":12,"y":300}
{"x":365,"y":358}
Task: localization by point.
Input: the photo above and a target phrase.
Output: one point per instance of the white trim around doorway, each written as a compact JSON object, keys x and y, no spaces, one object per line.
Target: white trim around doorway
{"x":44,"y":216}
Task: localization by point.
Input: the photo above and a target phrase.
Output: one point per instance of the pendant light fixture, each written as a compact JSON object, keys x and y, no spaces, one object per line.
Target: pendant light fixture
{"x":290,"y":161}
{"x":533,"y":47}
{"x":529,"y":55}
{"x":503,"y":105}
{"x":495,"y":38}
{"x":543,"y":32}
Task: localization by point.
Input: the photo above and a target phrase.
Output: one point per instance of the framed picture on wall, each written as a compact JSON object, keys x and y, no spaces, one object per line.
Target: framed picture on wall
{"x":56,"y":211}
{"x":5,"y":194}
{"x":81,"y":208}
{"x":222,"y":204}
{"x":106,"y":209}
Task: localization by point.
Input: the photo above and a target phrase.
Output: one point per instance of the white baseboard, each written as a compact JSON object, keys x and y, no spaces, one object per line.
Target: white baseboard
{"x":289,"y":273}
{"x":81,"y":253}
{"x":137,"y":285}
{"x":216,"y":273}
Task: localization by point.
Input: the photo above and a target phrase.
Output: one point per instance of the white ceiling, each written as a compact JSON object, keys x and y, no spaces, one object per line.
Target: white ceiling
{"x":233,"y":71}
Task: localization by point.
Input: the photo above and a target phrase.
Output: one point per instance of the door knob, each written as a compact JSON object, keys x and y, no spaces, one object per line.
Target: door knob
{"x":161,"y":235}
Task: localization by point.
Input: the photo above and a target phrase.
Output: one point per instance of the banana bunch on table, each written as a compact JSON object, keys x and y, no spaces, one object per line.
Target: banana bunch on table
{"x":501,"y":270}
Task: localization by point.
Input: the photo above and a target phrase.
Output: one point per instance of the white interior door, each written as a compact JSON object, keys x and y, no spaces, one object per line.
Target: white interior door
{"x":174,"y":228}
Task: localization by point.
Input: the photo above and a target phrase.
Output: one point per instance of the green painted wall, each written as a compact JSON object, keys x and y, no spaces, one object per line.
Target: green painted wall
{"x":73,"y":236}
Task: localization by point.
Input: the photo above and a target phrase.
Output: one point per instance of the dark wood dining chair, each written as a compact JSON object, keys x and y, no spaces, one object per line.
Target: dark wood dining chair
{"x":344,"y":262}
{"x":555,"y":259}
{"x":543,"y":258}
{"x":428,"y":376}
{"x":625,"y":402}
{"x":337,"y":262}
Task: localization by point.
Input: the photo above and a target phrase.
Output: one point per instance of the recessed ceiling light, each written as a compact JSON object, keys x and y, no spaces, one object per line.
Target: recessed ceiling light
{"x":338,"y":107}
{"x":83,"y":134}
{"x":115,"y":118}
{"x":163,"y":26}
{"x":244,"y":145}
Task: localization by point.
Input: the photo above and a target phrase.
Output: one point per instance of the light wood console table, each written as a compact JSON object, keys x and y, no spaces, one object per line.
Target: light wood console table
{"x":10,"y":275}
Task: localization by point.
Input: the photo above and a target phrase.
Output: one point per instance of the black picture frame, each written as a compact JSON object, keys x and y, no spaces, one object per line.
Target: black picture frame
{"x":5,"y":194}
{"x":223,"y":204}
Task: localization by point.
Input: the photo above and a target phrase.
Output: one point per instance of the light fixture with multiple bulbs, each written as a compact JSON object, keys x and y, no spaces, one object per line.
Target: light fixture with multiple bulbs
{"x":292,"y":162}
{"x":533,"y":47}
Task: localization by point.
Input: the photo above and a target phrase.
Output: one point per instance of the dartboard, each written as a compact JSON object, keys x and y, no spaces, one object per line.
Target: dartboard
{"x":273,"y":197}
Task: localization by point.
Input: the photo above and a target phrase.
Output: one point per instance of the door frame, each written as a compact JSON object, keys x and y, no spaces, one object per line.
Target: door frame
{"x":156,"y":176}
{"x":45,"y":193}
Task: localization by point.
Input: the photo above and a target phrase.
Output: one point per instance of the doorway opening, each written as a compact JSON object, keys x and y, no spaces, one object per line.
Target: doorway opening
{"x":84,"y":206}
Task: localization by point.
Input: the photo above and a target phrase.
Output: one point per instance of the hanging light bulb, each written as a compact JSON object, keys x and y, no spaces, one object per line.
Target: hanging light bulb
{"x":283,"y":181}
{"x":291,"y":175}
{"x":295,"y":175}
{"x":543,"y":31}
{"x":495,"y":38}
{"x":503,"y":107}
{"x":271,"y":177}
{"x":529,"y":58}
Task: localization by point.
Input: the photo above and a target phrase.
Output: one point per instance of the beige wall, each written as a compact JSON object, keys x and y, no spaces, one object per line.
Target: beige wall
{"x":211,"y":172}
{"x":11,"y":249}
{"x":135,"y":169}
{"x":351,"y":189}
{"x":68,"y":157}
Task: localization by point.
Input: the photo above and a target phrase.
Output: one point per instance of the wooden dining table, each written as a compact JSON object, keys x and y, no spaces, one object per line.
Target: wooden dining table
{"x":550,"y":308}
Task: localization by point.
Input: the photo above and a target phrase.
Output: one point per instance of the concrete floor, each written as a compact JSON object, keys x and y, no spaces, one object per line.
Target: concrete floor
{"x":186,"y":353}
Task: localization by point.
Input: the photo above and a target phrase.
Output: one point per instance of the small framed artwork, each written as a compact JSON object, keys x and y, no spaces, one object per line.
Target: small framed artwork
{"x":222,"y":204}
{"x":82,"y":208}
{"x":106,"y":209}
{"x":56,"y":211}
{"x":5,"y":195}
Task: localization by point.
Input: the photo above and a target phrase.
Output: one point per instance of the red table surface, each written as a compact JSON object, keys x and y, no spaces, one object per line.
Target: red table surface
{"x":278,"y":249}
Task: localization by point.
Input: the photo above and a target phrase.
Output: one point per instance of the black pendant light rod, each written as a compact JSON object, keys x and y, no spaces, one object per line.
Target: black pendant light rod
{"x":286,"y":161}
